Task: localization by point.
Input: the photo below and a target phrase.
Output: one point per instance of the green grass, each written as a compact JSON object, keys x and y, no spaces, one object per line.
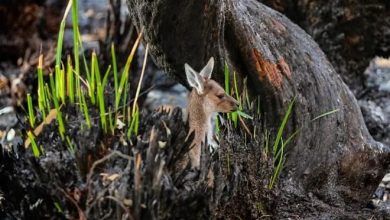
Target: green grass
{"x":234,"y":117}
{"x":278,"y":148}
{"x":276,"y":151}
{"x":61,"y":126}
{"x":35,"y":149}
{"x":83,"y":87}
{"x":31,"y":115}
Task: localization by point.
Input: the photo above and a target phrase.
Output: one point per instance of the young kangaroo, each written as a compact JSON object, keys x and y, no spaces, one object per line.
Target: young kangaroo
{"x":207,"y":97}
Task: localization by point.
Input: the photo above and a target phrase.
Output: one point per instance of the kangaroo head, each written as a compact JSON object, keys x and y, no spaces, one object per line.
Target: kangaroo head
{"x":208,"y":91}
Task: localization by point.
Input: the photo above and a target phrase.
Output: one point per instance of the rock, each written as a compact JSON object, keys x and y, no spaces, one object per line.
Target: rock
{"x":176,"y":96}
{"x":378,"y":74}
{"x":376,"y":119}
{"x":386,"y":179}
{"x":8,"y":117}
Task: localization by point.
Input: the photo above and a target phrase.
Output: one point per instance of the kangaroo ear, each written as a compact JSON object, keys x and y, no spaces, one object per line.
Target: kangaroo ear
{"x":194,"y":79}
{"x":208,"y":69}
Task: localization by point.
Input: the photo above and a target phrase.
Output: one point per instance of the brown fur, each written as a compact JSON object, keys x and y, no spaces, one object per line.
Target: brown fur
{"x":200,"y":109}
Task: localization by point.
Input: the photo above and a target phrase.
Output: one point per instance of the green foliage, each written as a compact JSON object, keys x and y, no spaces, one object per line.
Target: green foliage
{"x":278,"y":148}
{"x":31,"y":115}
{"x":125,"y":74}
{"x":84,"y":87}
{"x":35,"y":149}
{"x":61,"y":126}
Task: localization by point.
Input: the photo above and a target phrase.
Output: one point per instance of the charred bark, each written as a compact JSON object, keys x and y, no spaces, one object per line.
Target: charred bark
{"x":333,"y":158}
{"x":351,"y":33}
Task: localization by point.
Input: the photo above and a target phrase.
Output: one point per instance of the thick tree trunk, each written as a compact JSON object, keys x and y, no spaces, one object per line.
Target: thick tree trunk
{"x":329,"y":23}
{"x":333,"y":157}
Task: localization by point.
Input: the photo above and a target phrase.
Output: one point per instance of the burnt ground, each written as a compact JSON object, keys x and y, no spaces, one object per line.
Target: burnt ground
{"x":112,"y":176}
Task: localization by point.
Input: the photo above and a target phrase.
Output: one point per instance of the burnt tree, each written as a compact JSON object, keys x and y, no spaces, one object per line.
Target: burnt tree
{"x":329,"y":23}
{"x":333,"y":158}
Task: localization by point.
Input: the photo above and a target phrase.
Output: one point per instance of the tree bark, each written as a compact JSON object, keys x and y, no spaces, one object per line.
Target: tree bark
{"x":329,"y":22}
{"x":334,"y":157}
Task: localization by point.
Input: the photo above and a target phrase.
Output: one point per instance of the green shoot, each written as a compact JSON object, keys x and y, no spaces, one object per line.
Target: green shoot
{"x":115,"y":69}
{"x":227,"y":78}
{"x":278,"y":169}
{"x":105,"y":78}
{"x":236,"y":89}
{"x":35,"y":149}
{"x":76,"y":40}
{"x":61,"y":84}
{"x":281,"y":128}
{"x":58,"y":207}
{"x":61,"y":35}
{"x":279,"y":145}
{"x":84,"y":107}
{"x":244,"y":115}
{"x":134,"y":122}
{"x":91,"y":78}
{"x":100,"y":94}
{"x":61,"y":127}
{"x":41,"y":88}
{"x":70,"y":80}
{"x":227,"y":82}
{"x":325,"y":114}
{"x":70,"y":145}
{"x":31,"y":115}
{"x":124,"y":100}
{"x":125,"y":73}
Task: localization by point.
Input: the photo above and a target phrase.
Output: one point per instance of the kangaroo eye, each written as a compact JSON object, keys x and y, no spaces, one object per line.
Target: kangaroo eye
{"x":220,"y":96}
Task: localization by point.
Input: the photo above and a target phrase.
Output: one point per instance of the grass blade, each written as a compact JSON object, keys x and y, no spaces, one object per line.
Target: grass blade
{"x":31,"y":115}
{"x":282,"y":126}
{"x":325,"y":114}
{"x":125,"y":72}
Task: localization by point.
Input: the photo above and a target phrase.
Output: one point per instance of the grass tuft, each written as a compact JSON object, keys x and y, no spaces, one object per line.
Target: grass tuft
{"x":278,"y":147}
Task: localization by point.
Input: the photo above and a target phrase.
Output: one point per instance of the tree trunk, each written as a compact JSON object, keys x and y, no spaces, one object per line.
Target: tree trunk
{"x":331,"y":158}
{"x":329,"y":22}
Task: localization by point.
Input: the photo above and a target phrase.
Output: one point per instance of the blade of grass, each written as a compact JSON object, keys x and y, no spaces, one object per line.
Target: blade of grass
{"x":34,"y":146}
{"x":279,"y":166}
{"x":244,"y":115}
{"x":125,"y":72}
{"x":41,"y":88}
{"x":105,"y":79}
{"x":282,"y":126}
{"x":61,"y":35}
{"x":115,"y":69}
{"x":141,"y":78}
{"x":227,"y":84}
{"x":91,"y":78}
{"x":76,"y":45}
{"x":61,"y":127}
{"x":70,"y":80}
{"x":227,"y":78}
{"x":100,"y":95}
{"x":31,"y":115}
{"x":70,"y":145}
{"x":325,"y":114}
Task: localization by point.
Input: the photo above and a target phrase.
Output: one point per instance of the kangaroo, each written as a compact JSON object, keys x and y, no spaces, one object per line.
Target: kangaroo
{"x":206,"y":98}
